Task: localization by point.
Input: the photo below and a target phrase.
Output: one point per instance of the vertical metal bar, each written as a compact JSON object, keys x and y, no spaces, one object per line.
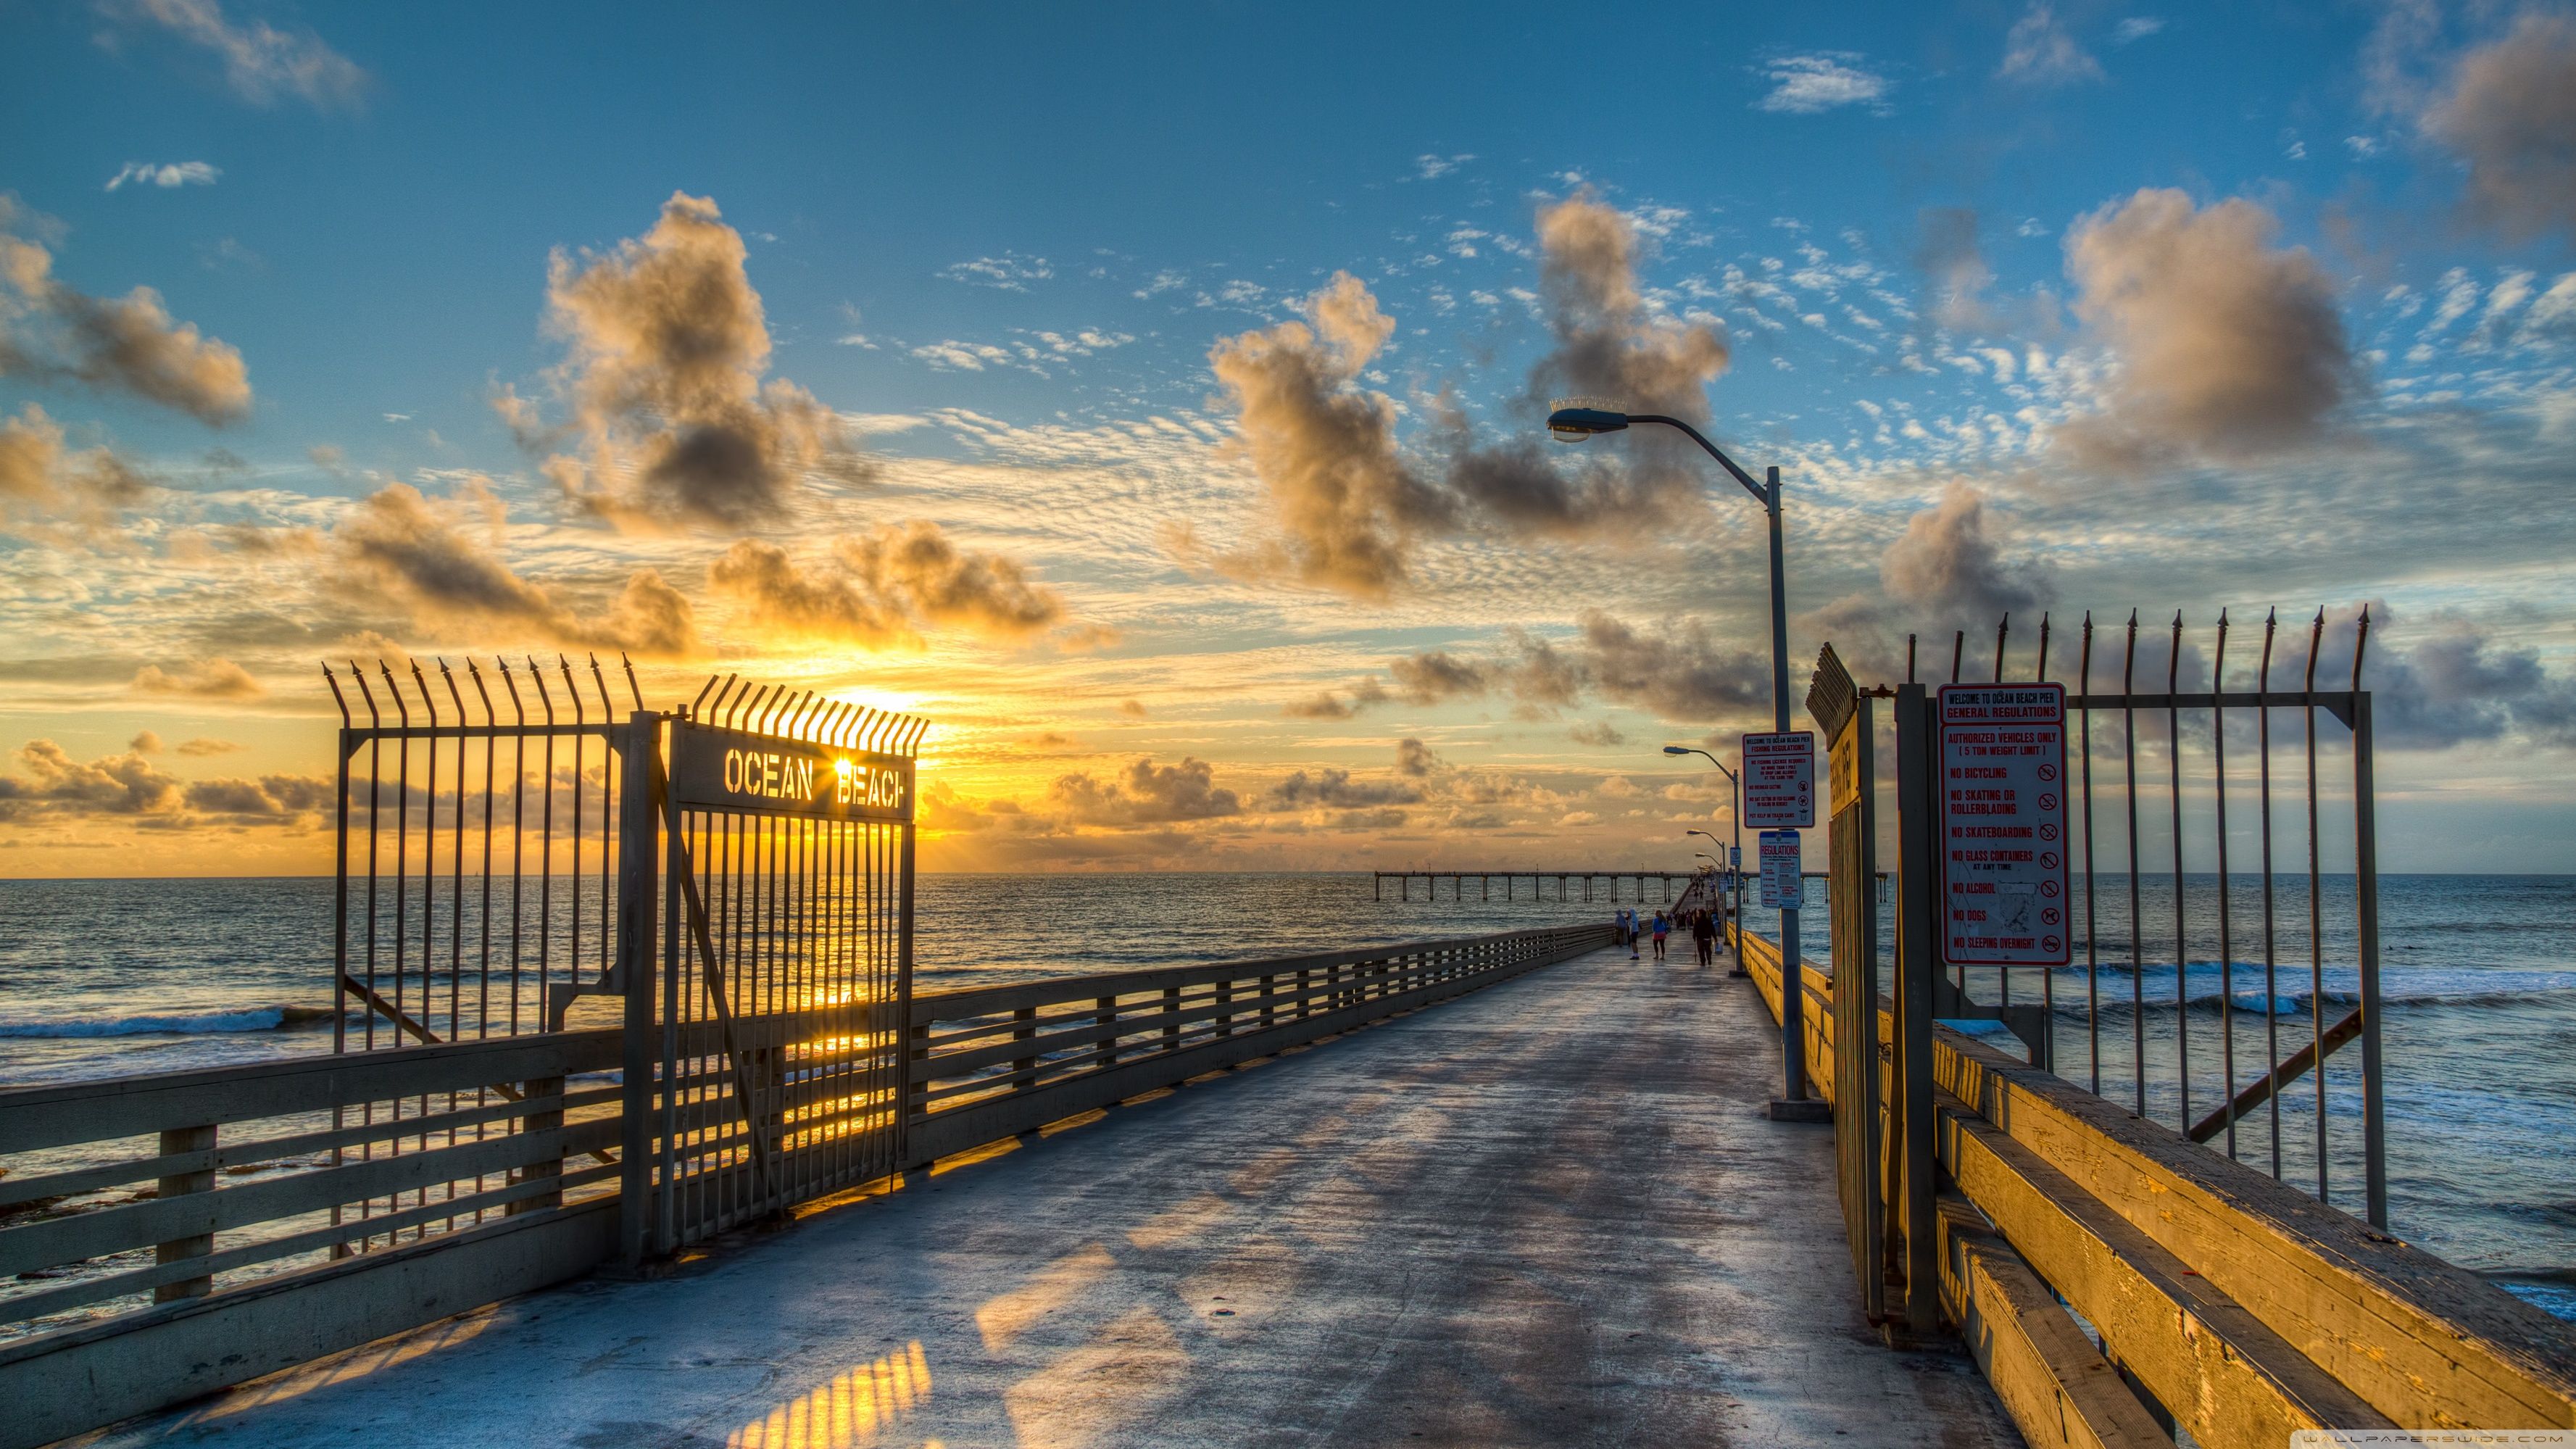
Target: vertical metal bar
{"x":545,"y":842}
{"x":2182,"y":949}
{"x":640,"y":830}
{"x":518,"y":826}
{"x":580,"y":750}
{"x":491,"y":755}
{"x":2137,"y":946}
{"x":903,"y":950}
{"x":2226,"y":937}
{"x":2271,"y":980}
{"x":2365,"y":863}
{"x":2316,"y":917}
{"x":402,"y":832}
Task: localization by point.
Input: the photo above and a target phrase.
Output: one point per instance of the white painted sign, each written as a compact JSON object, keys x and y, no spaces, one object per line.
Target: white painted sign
{"x":1780,"y":781}
{"x":1784,"y":874}
{"x":2003,"y":825}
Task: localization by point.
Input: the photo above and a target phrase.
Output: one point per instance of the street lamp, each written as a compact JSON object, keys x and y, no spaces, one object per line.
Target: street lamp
{"x":1735,"y":813}
{"x":1575,"y":425}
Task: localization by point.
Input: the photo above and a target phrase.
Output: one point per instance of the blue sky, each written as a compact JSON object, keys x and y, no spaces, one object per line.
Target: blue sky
{"x":1947,"y":253}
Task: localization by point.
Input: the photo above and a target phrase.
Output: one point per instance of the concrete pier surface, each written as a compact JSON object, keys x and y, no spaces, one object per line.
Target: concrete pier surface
{"x":1550,"y":1212}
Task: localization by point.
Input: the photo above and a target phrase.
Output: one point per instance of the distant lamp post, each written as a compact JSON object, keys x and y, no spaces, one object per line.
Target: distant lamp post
{"x":1575,"y":425}
{"x":1735,"y":817}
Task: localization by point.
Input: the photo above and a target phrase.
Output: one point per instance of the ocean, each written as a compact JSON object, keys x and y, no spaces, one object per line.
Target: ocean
{"x":107,"y":977}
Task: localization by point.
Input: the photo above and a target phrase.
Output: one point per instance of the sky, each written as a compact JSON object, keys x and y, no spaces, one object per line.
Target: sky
{"x":1153,"y":396}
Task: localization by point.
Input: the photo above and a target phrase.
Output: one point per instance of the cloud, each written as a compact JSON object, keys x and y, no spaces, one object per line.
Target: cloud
{"x":1598,"y":733}
{"x":166,"y":175}
{"x":2229,"y":346}
{"x":1805,"y":84}
{"x":129,"y":344}
{"x":261,"y":62}
{"x":1416,"y":759}
{"x":1133,"y":709}
{"x":55,"y":783}
{"x":2038,"y":51}
{"x":1009,"y":272}
{"x":42,"y":482}
{"x":202,"y":746}
{"x":1325,"y":704}
{"x":1347,"y":503}
{"x":200,"y":679}
{"x":666,"y":349}
{"x":878,"y":587}
{"x":398,"y":547}
{"x":1432,"y":167}
{"x":2454,"y":684}
{"x":1946,"y":571}
{"x":1680,"y":672}
{"x":1336,"y":790}
{"x":2509,"y":111}
{"x":1611,"y":346}
{"x":270,"y":797}
{"x":1145,"y":794}
{"x":2136,"y":28}
{"x":1955,"y":265}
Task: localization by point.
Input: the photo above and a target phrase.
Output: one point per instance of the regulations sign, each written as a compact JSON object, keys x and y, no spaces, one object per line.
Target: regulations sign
{"x":1784,"y":876}
{"x":2003,"y":824}
{"x":1780,"y":781}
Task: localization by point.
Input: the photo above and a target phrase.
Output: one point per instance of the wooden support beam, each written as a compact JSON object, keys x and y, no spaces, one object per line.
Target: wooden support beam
{"x":2061,"y":1392}
{"x":2227,"y":1379}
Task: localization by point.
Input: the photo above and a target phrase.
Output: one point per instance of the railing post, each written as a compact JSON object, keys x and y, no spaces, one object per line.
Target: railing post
{"x":533,"y":1090}
{"x":2365,"y":835}
{"x":1171,"y":1018}
{"x":639,"y":864}
{"x":1269,"y":1002}
{"x":1105,"y":1055}
{"x":1027,"y":1031}
{"x":1224,"y":1017}
{"x":196,"y":1245}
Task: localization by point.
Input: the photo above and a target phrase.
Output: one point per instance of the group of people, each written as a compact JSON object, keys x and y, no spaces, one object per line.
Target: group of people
{"x":1635,"y":926}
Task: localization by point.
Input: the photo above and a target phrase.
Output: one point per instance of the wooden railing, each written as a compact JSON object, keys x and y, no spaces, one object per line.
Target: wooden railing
{"x":989,"y":1062}
{"x":165,"y":1236}
{"x":2228,"y":1305}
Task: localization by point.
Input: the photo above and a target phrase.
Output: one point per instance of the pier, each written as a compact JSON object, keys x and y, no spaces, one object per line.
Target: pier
{"x":729,"y":1178}
{"x":1566,"y":881}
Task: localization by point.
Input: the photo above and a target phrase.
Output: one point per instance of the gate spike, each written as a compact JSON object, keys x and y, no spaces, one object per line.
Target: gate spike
{"x":544,"y":696}
{"x":2360,"y":641}
{"x":717,"y":710}
{"x":336,"y":697}
{"x":2316,"y":642}
{"x":2173,"y":655}
{"x":401,"y":709}
{"x":776,"y":701}
{"x":2003,"y":627}
{"x":632,"y":687}
{"x":375,"y":718}
{"x":453,"y":692}
{"x":2084,"y":660}
{"x":795,"y":719}
{"x":518,"y":708}
{"x":863,"y":730}
{"x":489,"y":716}
{"x":2129,"y":666}
{"x":2271,"y":622}
{"x":2218,"y":661}
{"x":422,"y":680}
{"x":746,"y":711}
{"x":1958,"y":652}
{"x":1909,"y":658}
{"x":840,"y":721}
{"x":607,"y":706}
{"x":2040,"y":673}
{"x":572,"y":688}
{"x":702,"y":696}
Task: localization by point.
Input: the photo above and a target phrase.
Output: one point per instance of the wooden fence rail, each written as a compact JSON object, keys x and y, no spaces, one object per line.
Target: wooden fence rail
{"x":239,"y":1220}
{"x":2233,"y":1306}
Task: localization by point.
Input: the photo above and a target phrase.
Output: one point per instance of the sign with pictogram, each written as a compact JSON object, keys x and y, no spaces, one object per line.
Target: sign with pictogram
{"x":1784,"y":875}
{"x":2003,"y":825}
{"x":1780,"y":781}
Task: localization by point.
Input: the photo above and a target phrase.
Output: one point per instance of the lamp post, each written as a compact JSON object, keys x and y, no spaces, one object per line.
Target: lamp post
{"x":1735,"y":817}
{"x":1574,"y":425}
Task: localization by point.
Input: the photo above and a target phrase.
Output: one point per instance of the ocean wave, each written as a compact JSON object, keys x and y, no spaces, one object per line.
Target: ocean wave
{"x":252,"y":1018}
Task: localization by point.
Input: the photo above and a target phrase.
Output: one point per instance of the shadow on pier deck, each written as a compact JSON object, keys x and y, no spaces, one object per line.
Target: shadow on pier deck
{"x":1549,"y":1212}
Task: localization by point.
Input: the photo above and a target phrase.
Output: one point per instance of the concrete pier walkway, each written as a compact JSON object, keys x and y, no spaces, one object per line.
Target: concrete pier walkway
{"x":1550,"y":1212}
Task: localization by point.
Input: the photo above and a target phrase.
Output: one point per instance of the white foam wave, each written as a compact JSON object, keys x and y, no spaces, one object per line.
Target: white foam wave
{"x":255,"y":1018}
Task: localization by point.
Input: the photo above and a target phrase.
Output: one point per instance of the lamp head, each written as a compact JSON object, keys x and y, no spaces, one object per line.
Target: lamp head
{"x":1675,"y":750}
{"x":1573,"y":425}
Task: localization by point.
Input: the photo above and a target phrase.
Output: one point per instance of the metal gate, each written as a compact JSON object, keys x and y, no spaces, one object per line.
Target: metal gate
{"x":728,"y":885}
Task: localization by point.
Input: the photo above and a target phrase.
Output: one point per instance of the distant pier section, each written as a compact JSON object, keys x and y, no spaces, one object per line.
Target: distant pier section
{"x":1565,"y":882}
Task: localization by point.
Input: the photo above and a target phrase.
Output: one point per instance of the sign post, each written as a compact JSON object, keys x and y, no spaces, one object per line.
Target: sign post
{"x":1780,"y":798}
{"x":2003,"y":825}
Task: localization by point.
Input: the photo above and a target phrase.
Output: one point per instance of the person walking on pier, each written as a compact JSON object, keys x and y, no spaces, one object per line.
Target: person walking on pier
{"x":1704,"y":935}
{"x":1662,"y":926}
{"x":1628,"y":930}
